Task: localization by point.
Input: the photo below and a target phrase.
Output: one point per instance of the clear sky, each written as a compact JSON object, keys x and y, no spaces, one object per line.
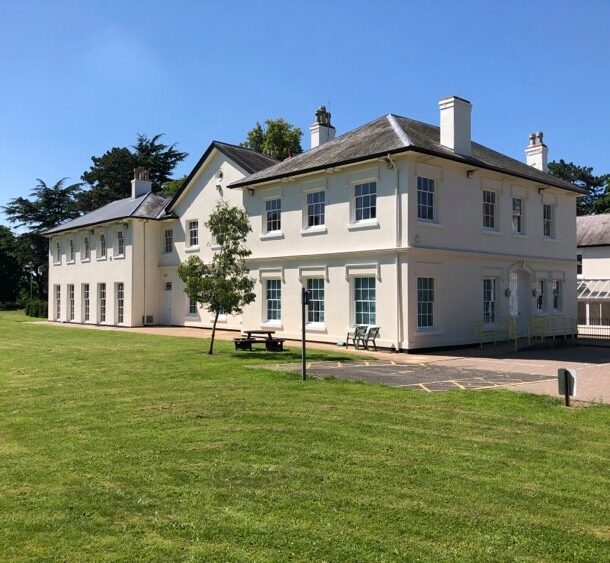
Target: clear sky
{"x":79,"y":77}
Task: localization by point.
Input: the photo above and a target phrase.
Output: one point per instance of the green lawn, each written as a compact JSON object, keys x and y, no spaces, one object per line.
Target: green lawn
{"x":120,"y":446}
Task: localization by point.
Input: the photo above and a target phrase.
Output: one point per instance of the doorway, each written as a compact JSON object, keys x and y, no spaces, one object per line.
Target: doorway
{"x":167,"y":303}
{"x":520,"y":302}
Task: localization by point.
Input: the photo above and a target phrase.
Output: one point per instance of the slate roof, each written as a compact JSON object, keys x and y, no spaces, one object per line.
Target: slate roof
{"x":593,"y":230}
{"x":393,"y":134}
{"x":146,"y":206}
{"x":248,"y":159}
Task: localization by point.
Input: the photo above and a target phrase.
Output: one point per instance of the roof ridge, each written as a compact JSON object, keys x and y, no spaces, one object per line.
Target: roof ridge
{"x":400,"y":132}
{"x":250,"y":149}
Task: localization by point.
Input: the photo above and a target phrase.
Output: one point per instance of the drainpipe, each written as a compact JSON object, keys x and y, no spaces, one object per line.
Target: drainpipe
{"x":397,"y":242}
{"x":144,"y":273}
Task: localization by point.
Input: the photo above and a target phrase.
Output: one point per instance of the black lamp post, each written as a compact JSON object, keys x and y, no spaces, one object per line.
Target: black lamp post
{"x":304,"y":304}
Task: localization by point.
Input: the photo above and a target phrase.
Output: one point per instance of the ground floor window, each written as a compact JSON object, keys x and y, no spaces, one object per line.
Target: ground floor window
{"x":71,"y":302}
{"x":489,"y":300}
{"x":557,"y":295}
{"x":192,"y":307}
{"x":86,"y":302}
{"x":315,"y":309}
{"x":57,"y":302}
{"x":425,"y":302}
{"x":273,"y":298}
{"x":365,"y":301}
{"x":120,"y":303}
{"x":541,"y":295}
{"x":101,"y":298}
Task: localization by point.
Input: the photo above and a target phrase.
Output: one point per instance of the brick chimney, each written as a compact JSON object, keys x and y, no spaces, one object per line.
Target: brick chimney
{"x":141,"y":183}
{"x":321,"y":131}
{"x":455,"y":124}
{"x":537,"y":153}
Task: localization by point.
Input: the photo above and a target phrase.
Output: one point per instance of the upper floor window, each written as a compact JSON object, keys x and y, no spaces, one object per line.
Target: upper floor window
{"x":273,"y":215}
{"x":517,"y":216}
{"x":193,"y":232}
{"x":57,"y":252}
{"x":316,"y":203}
{"x":86,"y":253}
{"x":365,"y":201}
{"x":168,"y":241}
{"x":489,"y":300}
{"x":489,"y":209}
{"x":102,"y":246}
{"x":425,"y":302}
{"x":547,"y":221}
{"x":425,"y":199}
{"x":71,"y":251}
{"x":120,"y":244}
{"x":579,"y":264}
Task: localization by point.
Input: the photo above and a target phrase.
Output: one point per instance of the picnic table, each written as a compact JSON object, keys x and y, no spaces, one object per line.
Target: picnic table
{"x":249,"y":337}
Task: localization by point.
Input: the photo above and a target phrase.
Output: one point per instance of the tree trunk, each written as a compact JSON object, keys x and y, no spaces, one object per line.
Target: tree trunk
{"x":211,"y":351}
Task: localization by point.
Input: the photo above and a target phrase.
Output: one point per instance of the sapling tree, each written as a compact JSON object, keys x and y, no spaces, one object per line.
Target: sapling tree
{"x":223,"y":285}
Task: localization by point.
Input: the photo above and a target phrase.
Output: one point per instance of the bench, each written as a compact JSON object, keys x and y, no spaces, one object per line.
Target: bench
{"x":271,"y":344}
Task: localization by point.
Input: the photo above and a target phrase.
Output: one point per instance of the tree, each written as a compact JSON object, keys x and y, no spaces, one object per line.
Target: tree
{"x":224,"y":285}
{"x":48,"y":207}
{"x":171,"y":187}
{"x":10,"y":273}
{"x":597,"y":199}
{"x":278,"y":139}
{"x":110,"y":175}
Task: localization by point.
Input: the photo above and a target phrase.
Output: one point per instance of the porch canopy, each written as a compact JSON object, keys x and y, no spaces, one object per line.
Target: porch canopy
{"x":593,"y":290}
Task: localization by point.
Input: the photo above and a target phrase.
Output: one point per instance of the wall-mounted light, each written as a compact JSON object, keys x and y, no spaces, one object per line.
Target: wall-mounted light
{"x":470,"y":173}
{"x":535,"y":292}
{"x":250,"y":191}
{"x":508,"y":292}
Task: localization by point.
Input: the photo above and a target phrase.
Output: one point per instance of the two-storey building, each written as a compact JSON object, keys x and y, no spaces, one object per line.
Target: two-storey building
{"x":398,"y":223}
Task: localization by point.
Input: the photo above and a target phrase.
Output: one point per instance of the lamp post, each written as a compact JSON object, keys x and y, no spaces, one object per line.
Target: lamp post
{"x":304,"y":304}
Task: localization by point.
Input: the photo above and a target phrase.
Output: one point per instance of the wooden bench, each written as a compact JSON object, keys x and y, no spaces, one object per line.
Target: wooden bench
{"x":271,"y":344}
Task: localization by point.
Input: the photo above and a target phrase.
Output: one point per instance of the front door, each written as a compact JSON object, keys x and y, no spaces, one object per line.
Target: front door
{"x":520,"y":301}
{"x":167,"y":303}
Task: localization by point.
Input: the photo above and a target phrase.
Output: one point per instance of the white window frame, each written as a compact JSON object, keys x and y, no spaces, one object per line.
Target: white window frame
{"x":541,"y":286}
{"x":192,"y":307}
{"x":320,"y":311}
{"x":167,"y":240}
{"x":71,"y":302}
{"x":557,"y":295}
{"x":119,"y":293}
{"x":102,"y":303}
{"x":355,"y":301}
{"x":192,"y":234}
{"x":490,"y":300}
{"x":520,"y":216}
{"x":355,"y":197}
{"x":266,"y":213}
{"x":86,"y":250}
{"x":485,"y":209}
{"x":120,"y":244}
{"x":86,"y":303}
{"x":425,"y":190}
{"x":550,"y":221}
{"x":57,"y":253}
{"x":320,"y":226}
{"x":102,"y":247}
{"x":57,"y":302}
{"x":433,"y":302}
{"x":266,"y":289}
{"x":71,"y":251}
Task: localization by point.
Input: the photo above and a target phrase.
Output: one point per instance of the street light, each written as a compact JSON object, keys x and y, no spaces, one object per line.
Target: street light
{"x":304,"y":304}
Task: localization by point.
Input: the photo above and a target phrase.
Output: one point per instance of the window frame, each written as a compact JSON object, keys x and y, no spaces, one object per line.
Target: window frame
{"x":170,"y":240}
{"x":490,"y":297}
{"x":431,"y":313}
{"x":557,"y":297}
{"x":57,"y":254}
{"x":318,"y":311}
{"x":520,"y":215}
{"x":431,"y":193}
{"x":102,"y":303}
{"x":192,"y":307}
{"x":57,"y":302}
{"x":372,"y":311}
{"x":71,"y":252}
{"x":267,"y":318}
{"x":120,"y":244}
{"x":103,"y":247}
{"x":86,"y":304}
{"x":267,"y":212}
{"x":86,"y":249}
{"x":320,"y":226}
{"x":70,"y":302}
{"x":548,"y":221}
{"x":372,"y":218}
{"x":541,"y":295}
{"x":579,"y":265}
{"x":485,"y":214}
{"x":119,"y":291}
{"x":192,"y":234}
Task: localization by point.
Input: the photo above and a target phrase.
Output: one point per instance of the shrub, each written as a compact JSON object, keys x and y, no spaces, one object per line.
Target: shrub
{"x":36,"y":308}
{"x":10,"y":306}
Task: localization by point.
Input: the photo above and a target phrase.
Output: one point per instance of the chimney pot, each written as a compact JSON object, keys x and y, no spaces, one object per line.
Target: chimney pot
{"x":141,"y":183}
{"x":321,"y":131}
{"x":537,"y":153}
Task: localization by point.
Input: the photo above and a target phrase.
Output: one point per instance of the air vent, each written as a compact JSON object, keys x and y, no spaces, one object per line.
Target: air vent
{"x":150,"y":319}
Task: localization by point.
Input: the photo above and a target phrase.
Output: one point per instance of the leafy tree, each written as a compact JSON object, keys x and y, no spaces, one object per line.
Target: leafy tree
{"x":110,"y":175}
{"x":224,"y":285}
{"x":48,"y":207}
{"x":10,"y":272}
{"x":278,"y":139}
{"x":597,"y":199}
{"x":171,"y":187}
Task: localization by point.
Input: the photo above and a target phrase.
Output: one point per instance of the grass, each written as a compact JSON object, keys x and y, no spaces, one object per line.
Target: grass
{"x":118,"y":446}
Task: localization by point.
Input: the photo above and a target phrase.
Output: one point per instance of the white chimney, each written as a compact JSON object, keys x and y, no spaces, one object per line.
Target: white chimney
{"x":321,"y":131}
{"x":141,"y":183}
{"x":537,"y":153}
{"x":455,"y":124}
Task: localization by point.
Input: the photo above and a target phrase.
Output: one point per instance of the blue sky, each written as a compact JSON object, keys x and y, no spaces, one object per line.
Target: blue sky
{"x":81,"y":77}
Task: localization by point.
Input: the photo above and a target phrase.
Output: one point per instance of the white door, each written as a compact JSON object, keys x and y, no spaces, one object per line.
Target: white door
{"x":523,"y":300}
{"x":167,"y":303}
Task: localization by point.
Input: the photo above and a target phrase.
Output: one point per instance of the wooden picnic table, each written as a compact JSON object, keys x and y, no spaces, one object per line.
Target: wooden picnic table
{"x":249,"y":333}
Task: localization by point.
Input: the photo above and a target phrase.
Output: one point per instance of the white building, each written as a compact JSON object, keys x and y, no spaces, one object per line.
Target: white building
{"x":399,"y":224}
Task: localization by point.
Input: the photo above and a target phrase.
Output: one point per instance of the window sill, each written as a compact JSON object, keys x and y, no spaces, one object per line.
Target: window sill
{"x":361,"y":225}
{"x":519,"y":235}
{"x":315,"y":327}
{"x":215,"y":247}
{"x":71,"y":262}
{"x":56,"y":263}
{"x":272,"y":324}
{"x":432,"y":331}
{"x":272,"y":235}
{"x":319,"y":230}
{"x":85,"y":260}
{"x":550,"y":239}
{"x":433,"y":224}
{"x":191,"y":249}
{"x":119,"y":257}
{"x":221,"y":319}
{"x":493,"y":232}
{"x":101,"y":259}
